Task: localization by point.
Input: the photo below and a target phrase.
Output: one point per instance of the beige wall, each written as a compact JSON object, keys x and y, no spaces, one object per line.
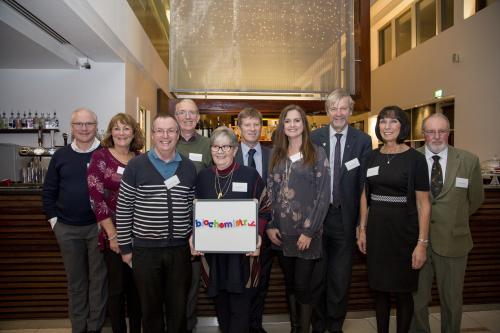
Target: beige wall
{"x":474,"y":82}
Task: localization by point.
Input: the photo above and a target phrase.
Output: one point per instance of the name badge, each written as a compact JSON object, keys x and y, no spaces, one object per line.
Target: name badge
{"x":352,"y":164}
{"x":462,"y":182}
{"x":120,"y":170}
{"x":88,"y":165}
{"x":195,"y":157}
{"x":172,"y":181}
{"x":372,"y":172}
{"x":295,"y":157}
{"x":239,"y":187}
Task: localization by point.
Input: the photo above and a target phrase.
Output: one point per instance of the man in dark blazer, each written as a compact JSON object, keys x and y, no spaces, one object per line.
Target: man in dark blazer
{"x":252,"y":153}
{"x":456,"y":193}
{"x":347,"y":149}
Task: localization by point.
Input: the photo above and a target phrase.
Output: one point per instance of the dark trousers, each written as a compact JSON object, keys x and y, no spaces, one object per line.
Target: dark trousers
{"x":86,"y":273}
{"x":162,"y":277}
{"x":192,"y":298}
{"x":233,"y":311}
{"x":298,"y":273}
{"x":259,"y":295}
{"x":332,"y":278}
{"x":122,"y":291}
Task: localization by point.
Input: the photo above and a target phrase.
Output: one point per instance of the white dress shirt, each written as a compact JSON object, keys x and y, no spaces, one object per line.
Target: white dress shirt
{"x":442,"y":161}
{"x":257,"y":157}
{"x":333,"y":142}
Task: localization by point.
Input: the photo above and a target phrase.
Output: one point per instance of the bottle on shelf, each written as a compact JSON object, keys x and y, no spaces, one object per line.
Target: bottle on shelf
{"x":12,"y":122}
{"x":197,"y":128}
{"x":29,"y":121}
{"x":2,"y":121}
{"x":48,"y":121}
{"x":205,"y":131}
{"x":18,"y":121}
{"x":55,"y":121}
{"x":23,"y":121}
{"x":41,"y":121}
{"x":210,"y":128}
{"x":36,"y":121}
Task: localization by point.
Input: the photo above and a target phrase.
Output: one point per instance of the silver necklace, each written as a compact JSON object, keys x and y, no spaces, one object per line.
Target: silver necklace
{"x":390,"y":157}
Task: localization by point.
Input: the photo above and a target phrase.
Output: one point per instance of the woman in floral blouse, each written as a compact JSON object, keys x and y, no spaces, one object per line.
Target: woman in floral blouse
{"x":299,"y":190}
{"x":122,"y":142}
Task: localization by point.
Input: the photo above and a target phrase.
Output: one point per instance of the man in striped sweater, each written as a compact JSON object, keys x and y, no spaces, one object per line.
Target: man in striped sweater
{"x":154,"y":215}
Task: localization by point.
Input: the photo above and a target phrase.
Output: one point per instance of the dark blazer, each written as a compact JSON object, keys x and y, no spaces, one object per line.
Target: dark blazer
{"x":358,"y":145}
{"x":266,"y":151}
{"x":449,"y":231}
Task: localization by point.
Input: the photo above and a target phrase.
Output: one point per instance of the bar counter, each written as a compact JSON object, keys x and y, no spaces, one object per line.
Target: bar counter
{"x":33,"y":281}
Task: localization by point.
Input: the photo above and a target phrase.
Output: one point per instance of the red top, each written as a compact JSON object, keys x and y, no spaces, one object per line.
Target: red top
{"x":103,"y":178}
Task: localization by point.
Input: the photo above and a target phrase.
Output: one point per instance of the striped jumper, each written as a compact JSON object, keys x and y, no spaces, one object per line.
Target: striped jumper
{"x":149,"y":214}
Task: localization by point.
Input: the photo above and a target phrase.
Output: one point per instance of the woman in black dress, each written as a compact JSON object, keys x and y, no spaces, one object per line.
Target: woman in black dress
{"x":231,"y":278}
{"x":394,"y":219}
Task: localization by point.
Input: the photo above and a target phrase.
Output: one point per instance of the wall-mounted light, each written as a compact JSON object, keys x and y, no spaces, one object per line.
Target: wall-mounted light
{"x":438,"y":93}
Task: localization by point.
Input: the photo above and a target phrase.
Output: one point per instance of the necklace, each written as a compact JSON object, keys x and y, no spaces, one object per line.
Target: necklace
{"x":221,"y":191}
{"x":120,"y":157}
{"x":391,"y":156}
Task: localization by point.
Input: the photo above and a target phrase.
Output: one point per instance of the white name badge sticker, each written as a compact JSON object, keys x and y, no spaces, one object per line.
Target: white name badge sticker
{"x":372,"y":172}
{"x":462,"y":182}
{"x":88,"y":165}
{"x":120,"y":170}
{"x":195,"y":157}
{"x":295,"y":157}
{"x":172,"y":181}
{"x":352,"y":164}
{"x":239,"y":187}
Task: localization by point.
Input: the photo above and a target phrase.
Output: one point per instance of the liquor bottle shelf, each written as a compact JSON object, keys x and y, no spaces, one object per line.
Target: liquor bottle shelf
{"x":26,"y":131}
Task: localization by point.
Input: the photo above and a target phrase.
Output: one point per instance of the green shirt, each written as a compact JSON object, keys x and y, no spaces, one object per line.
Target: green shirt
{"x":192,"y":149}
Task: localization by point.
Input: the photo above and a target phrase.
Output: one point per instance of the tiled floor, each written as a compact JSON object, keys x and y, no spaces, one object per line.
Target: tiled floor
{"x":477,"y":319}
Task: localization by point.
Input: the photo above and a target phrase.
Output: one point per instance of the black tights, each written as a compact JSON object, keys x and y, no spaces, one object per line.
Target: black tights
{"x":404,"y":311}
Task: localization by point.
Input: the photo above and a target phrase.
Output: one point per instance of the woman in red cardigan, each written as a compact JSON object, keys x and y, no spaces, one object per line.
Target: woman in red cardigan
{"x":122,"y":142}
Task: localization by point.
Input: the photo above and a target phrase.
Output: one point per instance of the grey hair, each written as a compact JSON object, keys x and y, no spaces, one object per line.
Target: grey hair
{"x":84,"y":109}
{"x":436,"y":115}
{"x":336,"y":96}
{"x":224,"y":131}
{"x":189,"y":101}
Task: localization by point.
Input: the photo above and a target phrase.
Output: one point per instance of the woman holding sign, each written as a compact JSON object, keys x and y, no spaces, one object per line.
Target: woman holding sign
{"x":122,"y":142}
{"x":299,"y":190}
{"x":231,"y":276}
{"x":394,"y":218}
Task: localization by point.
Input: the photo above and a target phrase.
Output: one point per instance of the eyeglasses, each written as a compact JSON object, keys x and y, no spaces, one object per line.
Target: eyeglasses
{"x":82,"y":125}
{"x":184,"y":113}
{"x":438,"y":132}
{"x":224,"y":148}
{"x":162,"y":131}
{"x":334,"y":109}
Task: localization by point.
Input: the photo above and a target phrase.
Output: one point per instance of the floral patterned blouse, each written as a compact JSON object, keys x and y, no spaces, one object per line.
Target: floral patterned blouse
{"x":103,"y":179}
{"x":300,"y":196}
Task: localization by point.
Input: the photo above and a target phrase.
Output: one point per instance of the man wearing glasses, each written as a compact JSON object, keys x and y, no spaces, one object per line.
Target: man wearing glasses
{"x":456,"y":193}
{"x":197,"y":149}
{"x":191,"y":144}
{"x":153,"y":220}
{"x":67,"y":206}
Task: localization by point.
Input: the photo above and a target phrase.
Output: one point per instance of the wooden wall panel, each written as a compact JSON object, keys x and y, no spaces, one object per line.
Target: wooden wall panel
{"x":33,"y":281}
